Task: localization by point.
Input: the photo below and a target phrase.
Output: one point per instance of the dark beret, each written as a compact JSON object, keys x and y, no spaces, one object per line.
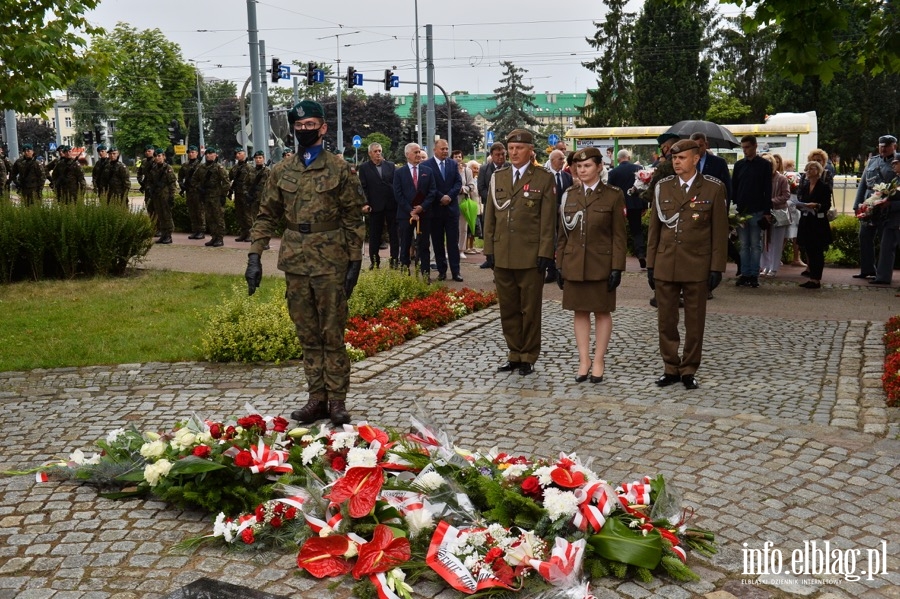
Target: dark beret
{"x":306,"y":109}
{"x":664,"y":137}
{"x":684,"y":145}
{"x":259,"y":153}
{"x":193,"y":149}
{"x":211,"y":150}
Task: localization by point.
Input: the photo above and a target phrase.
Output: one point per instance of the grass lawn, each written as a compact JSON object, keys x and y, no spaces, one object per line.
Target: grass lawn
{"x":146,"y":317}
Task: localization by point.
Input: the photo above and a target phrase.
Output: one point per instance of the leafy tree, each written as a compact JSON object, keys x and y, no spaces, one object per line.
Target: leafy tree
{"x":224,"y":123}
{"x":147,"y":86}
{"x":316,"y":91}
{"x":465,"y":132}
{"x":376,"y":138}
{"x":43,"y":48}
{"x":362,"y":116}
{"x":725,"y":107}
{"x":611,"y":101}
{"x":512,"y":98}
{"x":671,"y":76}
{"x":37,"y":133}
{"x":89,"y":108}
{"x":747,"y":59}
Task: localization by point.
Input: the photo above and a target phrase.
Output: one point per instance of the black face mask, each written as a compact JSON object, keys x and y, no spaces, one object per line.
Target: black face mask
{"x":307,"y":138}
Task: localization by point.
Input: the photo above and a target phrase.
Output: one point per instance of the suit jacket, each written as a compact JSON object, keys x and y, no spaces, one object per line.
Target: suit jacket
{"x":448,"y":185}
{"x":566,"y":183}
{"x":623,"y":177}
{"x":408,"y":195}
{"x":698,"y":243}
{"x":379,"y":189}
{"x":596,"y":242}
{"x":520,"y":220}
{"x":484,"y":178}
{"x":715,"y":166}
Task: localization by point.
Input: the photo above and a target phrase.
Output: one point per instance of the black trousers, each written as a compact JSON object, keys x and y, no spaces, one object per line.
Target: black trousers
{"x":637,"y":231}
{"x":423,"y":243}
{"x":378,"y":221}
{"x":445,"y":225}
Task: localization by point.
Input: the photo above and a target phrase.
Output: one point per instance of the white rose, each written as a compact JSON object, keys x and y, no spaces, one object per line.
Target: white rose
{"x":153,"y":472}
{"x":154,"y":449}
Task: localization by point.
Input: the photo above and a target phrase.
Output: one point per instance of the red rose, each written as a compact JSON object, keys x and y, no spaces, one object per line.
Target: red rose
{"x":260,"y":513}
{"x":338,"y":463}
{"x":252,"y":421}
{"x":230,"y":432}
{"x":290,"y":513}
{"x":531,"y":487}
{"x":279,"y":424}
{"x":243,"y":460}
{"x":247,"y":535}
{"x":492,"y":555}
{"x":202,"y":451}
{"x":275,"y":522}
{"x":215,"y":430}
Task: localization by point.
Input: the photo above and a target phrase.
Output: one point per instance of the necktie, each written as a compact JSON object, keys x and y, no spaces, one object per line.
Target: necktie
{"x":415,"y":176}
{"x":441,"y":167}
{"x":559,"y":188}
{"x":516,"y":177}
{"x":684,"y":188}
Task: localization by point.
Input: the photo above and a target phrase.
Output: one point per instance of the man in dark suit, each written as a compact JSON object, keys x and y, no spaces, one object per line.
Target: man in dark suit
{"x":556,"y":165}
{"x":623,"y":177}
{"x":377,"y":179}
{"x":414,"y":191}
{"x":445,"y":211}
{"x":497,"y":160}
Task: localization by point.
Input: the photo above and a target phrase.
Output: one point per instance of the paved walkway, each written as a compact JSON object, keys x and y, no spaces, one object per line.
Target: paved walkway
{"x":786,"y":441}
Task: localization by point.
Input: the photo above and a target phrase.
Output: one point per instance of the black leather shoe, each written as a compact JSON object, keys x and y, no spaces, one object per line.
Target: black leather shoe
{"x":442,"y":276}
{"x":864,"y":275}
{"x":526,"y":368}
{"x":580,"y":378}
{"x":689,"y":381}
{"x":485,"y":264}
{"x":653,"y":301}
{"x":550,"y":277}
{"x":509,"y":367}
{"x":457,"y":278}
{"x":642,"y":262}
{"x":667,"y":379}
{"x":596,"y":379}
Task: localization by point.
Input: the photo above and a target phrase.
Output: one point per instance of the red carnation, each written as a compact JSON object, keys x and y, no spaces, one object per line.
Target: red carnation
{"x":202,"y":451}
{"x":531,"y":487}
{"x":247,"y":535}
{"x":279,"y":508}
{"x":260,"y":513}
{"x":492,"y":555}
{"x":279,"y":424}
{"x":275,"y":522}
{"x":290,"y":513}
{"x":243,"y":459}
{"x":338,"y":463}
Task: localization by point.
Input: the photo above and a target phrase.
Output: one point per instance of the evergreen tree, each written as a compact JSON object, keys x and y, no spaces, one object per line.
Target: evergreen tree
{"x":746,"y":58}
{"x":512,"y":98}
{"x":671,"y":75}
{"x":611,"y":101}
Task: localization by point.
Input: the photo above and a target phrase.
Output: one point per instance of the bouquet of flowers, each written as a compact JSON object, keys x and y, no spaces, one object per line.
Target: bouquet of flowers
{"x":871,"y":208}
{"x":642,"y":179}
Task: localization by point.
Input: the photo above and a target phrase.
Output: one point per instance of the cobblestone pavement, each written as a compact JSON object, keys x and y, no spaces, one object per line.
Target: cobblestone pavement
{"x":786,"y":441}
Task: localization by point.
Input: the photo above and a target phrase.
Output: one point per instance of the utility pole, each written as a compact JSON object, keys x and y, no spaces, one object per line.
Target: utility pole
{"x":418,"y":83}
{"x":340,"y":121}
{"x":257,"y":106}
{"x":199,"y":111}
{"x":429,"y":89}
{"x":267,"y":126}
{"x":12,"y":135}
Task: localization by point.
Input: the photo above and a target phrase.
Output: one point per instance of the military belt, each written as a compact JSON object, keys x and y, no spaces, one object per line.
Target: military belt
{"x":306,"y":228}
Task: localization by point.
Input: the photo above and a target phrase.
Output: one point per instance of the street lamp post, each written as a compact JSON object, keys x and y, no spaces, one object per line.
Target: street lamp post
{"x":199,"y":105}
{"x":340,"y":124}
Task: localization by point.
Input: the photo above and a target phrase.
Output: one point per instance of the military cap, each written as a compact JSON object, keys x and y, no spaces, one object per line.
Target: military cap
{"x":520,"y":136}
{"x":896,"y":159}
{"x":101,"y":148}
{"x":193,"y":149}
{"x":113,"y":148}
{"x":160,"y":151}
{"x":260,"y":153}
{"x":211,"y":150}
{"x":664,"y":137}
{"x":27,"y":147}
{"x":64,"y":148}
{"x":306,"y":109}
{"x":239,"y":149}
{"x":587,"y":154}
{"x":150,"y":147}
{"x":684,"y":145}
{"x":286,"y":151}
{"x":885,"y":140}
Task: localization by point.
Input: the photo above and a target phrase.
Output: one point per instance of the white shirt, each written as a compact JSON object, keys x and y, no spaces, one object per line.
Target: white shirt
{"x":689,"y":182}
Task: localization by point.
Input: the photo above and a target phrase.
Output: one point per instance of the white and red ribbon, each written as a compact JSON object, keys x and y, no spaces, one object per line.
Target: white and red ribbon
{"x":564,"y":565}
{"x":595,"y":501}
{"x":266,"y":459}
{"x":332,"y":518}
{"x":637,"y":493}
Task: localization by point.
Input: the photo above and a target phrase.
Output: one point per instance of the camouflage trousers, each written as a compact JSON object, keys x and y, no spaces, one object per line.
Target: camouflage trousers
{"x":318,"y":307}
{"x":149,"y":205}
{"x":245,"y":213}
{"x":30,"y":196}
{"x":215,"y":215}
{"x":195,"y":211}
{"x":163,"y":212}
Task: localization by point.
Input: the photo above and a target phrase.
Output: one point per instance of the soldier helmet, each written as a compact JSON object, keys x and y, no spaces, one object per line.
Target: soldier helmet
{"x":259,"y":153}
{"x":306,"y":109}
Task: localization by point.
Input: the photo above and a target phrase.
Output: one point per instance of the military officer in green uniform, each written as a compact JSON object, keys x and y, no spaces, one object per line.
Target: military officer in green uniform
{"x":211,"y":180}
{"x":116,"y":180}
{"x":320,"y":202}
{"x":240,"y":182}
{"x":28,"y":177}
{"x":160,"y":182}
{"x":68,"y":178}
{"x":97,"y":178}
{"x":687,"y":247}
{"x":188,"y":188}
{"x":258,"y":178}
{"x":519,"y":229}
{"x":142,"y":171}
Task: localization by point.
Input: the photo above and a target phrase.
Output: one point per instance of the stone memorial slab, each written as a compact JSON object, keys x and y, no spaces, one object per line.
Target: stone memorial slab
{"x":206,"y":588}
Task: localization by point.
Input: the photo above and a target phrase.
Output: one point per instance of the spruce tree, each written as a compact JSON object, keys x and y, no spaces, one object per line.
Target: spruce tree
{"x":512,"y":98}
{"x":612,"y":101}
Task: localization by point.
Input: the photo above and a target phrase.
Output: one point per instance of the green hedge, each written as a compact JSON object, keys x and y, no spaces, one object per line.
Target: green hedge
{"x":64,"y":241}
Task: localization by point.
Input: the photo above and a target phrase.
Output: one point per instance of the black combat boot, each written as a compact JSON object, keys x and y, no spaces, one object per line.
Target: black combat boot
{"x":315,"y":409}
{"x":337,"y":411}
{"x":165,"y":239}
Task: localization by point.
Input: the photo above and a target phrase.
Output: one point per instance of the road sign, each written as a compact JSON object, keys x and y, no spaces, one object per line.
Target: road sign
{"x":395,"y":81}
{"x":357,"y":79}
{"x":180,"y":150}
{"x":357,"y":141}
{"x":319,"y":76}
{"x":284,"y":71}
{"x":489,"y":138}
{"x":552,"y":139}
{"x":51,"y":146}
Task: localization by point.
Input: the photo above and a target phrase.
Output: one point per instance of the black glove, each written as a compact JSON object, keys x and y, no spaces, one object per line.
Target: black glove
{"x":140,"y":189}
{"x":253,"y":273}
{"x":489,"y":258}
{"x":559,"y":278}
{"x":615,"y":279}
{"x":715,"y":277}
{"x":223,"y":202}
{"x":352,"y":276}
{"x":650,"y":280}
{"x":543,"y":264}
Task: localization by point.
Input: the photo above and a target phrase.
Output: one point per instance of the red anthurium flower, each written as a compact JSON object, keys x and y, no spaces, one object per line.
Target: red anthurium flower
{"x":324,"y":556}
{"x":382,"y":553}
{"x":565,"y":463}
{"x":361,"y":486}
{"x":370,"y":433}
{"x":566,"y":478}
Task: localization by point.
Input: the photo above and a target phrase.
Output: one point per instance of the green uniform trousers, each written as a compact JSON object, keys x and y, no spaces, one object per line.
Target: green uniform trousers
{"x":215,"y":216}
{"x":520,"y":293}
{"x":667,"y":294}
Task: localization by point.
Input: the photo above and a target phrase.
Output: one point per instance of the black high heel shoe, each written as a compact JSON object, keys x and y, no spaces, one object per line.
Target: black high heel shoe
{"x":596,"y":379}
{"x":580,"y":378}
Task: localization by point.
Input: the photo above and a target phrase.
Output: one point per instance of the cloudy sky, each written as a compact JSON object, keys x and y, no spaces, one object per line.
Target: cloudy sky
{"x":470,"y":38}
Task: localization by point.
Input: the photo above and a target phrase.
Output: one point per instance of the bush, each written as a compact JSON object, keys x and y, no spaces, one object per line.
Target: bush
{"x":378,"y":289}
{"x":844,"y":250}
{"x":65,"y":241}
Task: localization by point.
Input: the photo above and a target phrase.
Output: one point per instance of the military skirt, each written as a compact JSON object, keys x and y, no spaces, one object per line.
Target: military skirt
{"x":588,"y":296}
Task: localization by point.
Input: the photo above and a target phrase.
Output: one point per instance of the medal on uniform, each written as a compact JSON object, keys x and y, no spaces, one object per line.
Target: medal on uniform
{"x":693,"y":204}
{"x":526,"y":194}
{"x":695,"y":216}
{"x":529,"y":203}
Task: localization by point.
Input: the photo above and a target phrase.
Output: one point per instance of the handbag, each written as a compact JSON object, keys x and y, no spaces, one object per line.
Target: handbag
{"x":831,"y":214}
{"x":782,"y":217}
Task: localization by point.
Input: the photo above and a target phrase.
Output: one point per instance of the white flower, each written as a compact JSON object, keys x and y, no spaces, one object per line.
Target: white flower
{"x":154,"y":449}
{"x":299,"y":432}
{"x":306,"y":438}
{"x":153,"y":472}
{"x":113,"y":435}
{"x":151,"y":436}
{"x":543,"y":474}
{"x":79,"y":457}
{"x":223,"y":528}
{"x":204,"y":439}
{"x":342,"y":440}
{"x":184,"y":439}
{"x":312,"y":451}
{"x":526,"y":550}
{"x":419,"y":521}
{"x":515,"y":471}
{"x":359,"y":456}
{"x":429,"y":481}
{"x":559,"y":503}
{"x":470,"y":561}
{"x":395,"y":581}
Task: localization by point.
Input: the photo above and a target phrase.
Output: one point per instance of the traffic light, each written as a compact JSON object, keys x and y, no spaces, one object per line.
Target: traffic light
{"x":387,"y":79}
{"x":98,"y":135}
{"x":276,"y":66}
{"x":310,"y":73}
{"x":89,"y":138}
{"x":174,"y":131}
{"x":351,"y":76}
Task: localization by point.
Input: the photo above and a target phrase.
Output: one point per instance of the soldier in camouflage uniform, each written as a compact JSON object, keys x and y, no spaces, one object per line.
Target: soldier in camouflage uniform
{"x":142,"y":171}
{"x":97,"y":178}
{"x":212,"y":183}
{"x":161,"y":183}
{"x":188,"y":186}
{"x":240,"y":182}
{"x":7,"y":168}
{"x":68,"y":178}
{"x":28,"y":177}
{"x":320,"y":202}
{"x":116,"y":180}
{"x":4,"y":177}
{"x":258,"y":180}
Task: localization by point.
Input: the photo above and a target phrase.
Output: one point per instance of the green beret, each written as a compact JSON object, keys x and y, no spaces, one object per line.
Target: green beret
{"x":150,"y":147}
{"x":160,"y":151}
{"x":683,"y":146}
{"x":587,"y":154}
{"x":306,"y":109}
{"x":287,"y":151}
{"x":64,"y":148}
{"x":113,"y":148}
{"x":27,"y":147}
{"x":664,"y":137}
{"x":211,"y":150}
{"x":239,"y":149}
{"x":259,"y":153}
{"x":193,"y":149}
{"x":520,"y":136}
{"x":101,"y":148}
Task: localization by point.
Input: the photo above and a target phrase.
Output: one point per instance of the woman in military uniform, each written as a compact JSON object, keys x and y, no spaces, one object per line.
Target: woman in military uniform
{"x":591,"y":258}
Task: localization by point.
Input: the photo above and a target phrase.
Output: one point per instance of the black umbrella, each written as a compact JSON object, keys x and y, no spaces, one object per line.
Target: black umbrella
{"x":716,"y":135}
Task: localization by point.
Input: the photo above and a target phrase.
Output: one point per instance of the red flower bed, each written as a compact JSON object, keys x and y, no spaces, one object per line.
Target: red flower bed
{"x":890,"y":380}
{"x":393,"y":326}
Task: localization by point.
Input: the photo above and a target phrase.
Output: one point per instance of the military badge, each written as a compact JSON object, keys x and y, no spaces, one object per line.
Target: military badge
{"x":529,"y":203}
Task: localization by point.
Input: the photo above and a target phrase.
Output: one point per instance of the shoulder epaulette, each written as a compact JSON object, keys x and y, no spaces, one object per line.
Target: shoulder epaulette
{"x":713,"y":179}
{"x":664,"y":179}
{"x":502,"y":168}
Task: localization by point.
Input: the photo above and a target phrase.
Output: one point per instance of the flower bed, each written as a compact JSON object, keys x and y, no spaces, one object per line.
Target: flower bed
{"x":391,"y":508}
{"x":890,"y":380}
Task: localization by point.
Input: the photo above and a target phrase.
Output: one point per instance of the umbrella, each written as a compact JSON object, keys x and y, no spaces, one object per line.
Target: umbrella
{"x":716,"y":135}
{"x":469,"y":209}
